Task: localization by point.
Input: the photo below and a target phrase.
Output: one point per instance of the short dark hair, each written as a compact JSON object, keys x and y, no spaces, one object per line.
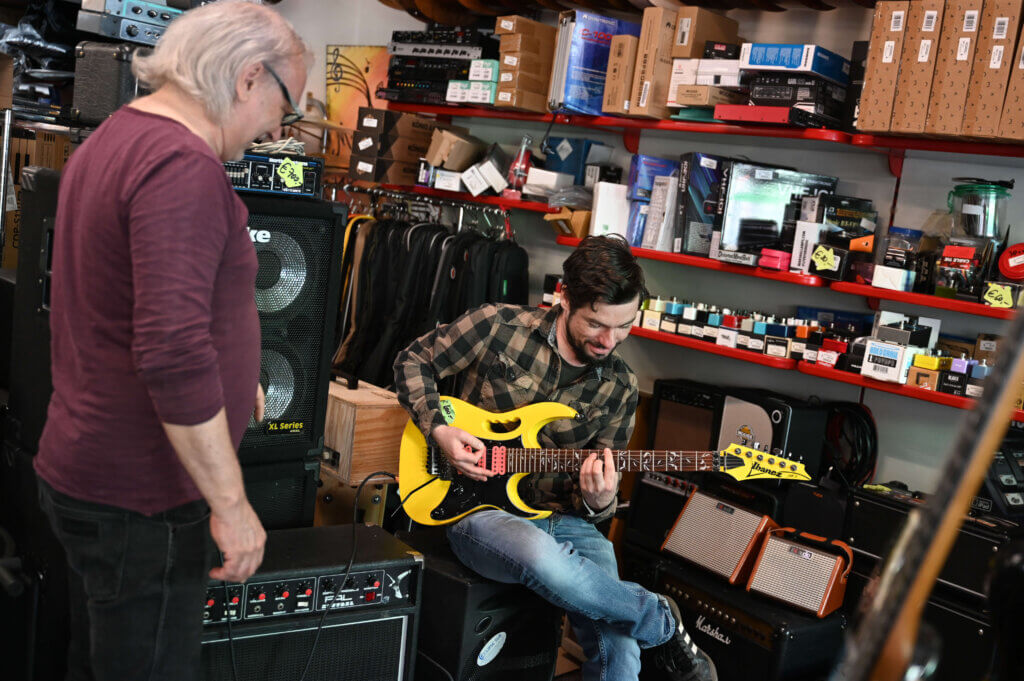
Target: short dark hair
{"x":602,"y":269}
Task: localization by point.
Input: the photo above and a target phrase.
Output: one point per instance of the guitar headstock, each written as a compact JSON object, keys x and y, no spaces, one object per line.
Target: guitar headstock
{"x":744,"y":463}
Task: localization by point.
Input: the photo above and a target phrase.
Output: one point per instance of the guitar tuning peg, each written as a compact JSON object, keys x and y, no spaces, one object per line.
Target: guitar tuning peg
{"x":757,"y":446}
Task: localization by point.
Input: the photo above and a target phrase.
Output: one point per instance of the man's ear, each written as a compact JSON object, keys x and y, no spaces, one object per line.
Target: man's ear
{"x":565,"y":300}
{"x":247,"y":79}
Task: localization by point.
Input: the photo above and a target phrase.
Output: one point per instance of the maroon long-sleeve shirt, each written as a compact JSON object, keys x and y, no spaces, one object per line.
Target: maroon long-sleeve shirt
{"x":153,"y":312}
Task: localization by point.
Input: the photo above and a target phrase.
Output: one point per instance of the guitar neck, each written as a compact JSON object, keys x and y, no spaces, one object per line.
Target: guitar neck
{"x":625,"y":460}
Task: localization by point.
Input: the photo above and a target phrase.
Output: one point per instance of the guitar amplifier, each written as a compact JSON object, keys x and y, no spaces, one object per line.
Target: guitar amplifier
{"x":809,"y":577}
{"x":719,"y":536}
{"x":746,"y":636}
{"x":364,"y":627}
{"x":874,"y":519}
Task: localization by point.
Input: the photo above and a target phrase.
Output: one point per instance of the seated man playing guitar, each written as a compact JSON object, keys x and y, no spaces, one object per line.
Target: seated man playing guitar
{"x":505,"y":357}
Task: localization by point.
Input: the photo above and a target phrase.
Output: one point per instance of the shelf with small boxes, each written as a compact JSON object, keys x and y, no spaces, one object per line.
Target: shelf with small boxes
{"x":923,"y":299}
{"x":712,"y":264}
{"x":715,"y":349}
{"x":881,"y":143}
{"x":935,"y":396}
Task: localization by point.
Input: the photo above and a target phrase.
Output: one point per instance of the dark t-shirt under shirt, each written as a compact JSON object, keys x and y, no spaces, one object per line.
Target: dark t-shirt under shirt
{"x":153,"y":316}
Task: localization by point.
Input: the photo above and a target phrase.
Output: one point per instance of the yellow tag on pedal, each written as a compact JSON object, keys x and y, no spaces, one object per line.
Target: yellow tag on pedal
{"x":290,"y":173}
{"x":825,"y":258}
{"x":998,"y":295}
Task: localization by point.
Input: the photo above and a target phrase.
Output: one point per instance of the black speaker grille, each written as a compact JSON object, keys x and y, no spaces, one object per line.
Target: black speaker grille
{"x":292,"y":296}
{"x":362,"y":651}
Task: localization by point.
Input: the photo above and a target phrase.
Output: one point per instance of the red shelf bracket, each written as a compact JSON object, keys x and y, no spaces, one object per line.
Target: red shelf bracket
{"x":631,"y":138}
{"x":896,"y":158}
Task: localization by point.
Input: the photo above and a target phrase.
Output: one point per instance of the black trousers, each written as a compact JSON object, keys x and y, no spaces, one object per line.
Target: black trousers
{"x":137,"y":588}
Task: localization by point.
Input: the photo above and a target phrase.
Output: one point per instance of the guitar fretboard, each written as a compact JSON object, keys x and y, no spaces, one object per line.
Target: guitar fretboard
{"x":570,"y":460}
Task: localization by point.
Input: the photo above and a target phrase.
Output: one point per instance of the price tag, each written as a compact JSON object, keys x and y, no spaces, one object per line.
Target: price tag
{"x":998,"y":295}
{"x":290,"y":173}
{"x":825,"y":259}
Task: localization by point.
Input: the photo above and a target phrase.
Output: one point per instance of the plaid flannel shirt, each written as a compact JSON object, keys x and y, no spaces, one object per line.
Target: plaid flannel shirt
{"x":506,"y":357}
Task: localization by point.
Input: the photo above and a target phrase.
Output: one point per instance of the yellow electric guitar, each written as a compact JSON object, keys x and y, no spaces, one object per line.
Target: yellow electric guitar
{"x":436,"y":494}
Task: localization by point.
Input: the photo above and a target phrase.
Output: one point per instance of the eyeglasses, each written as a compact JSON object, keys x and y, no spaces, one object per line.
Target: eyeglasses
{"x":295,"y":115}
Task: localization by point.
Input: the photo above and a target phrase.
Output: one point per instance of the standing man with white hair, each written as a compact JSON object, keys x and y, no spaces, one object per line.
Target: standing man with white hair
{"x":156,"y":343}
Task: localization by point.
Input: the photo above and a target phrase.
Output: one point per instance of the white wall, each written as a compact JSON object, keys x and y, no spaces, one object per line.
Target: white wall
{"x":913,"y":435}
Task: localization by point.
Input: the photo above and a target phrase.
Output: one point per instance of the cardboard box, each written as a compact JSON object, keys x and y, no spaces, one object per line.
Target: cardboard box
{"x":707,"y":96}
{"x":917,"y":66}
{"x":517,"y":24}
{"x":684,"y":72}
{"x":574,"y":223}
{"x":618,"y":83}
{"x":1011,"y":122}
{"x":453,"y":151}
{"x":516,"y":80}
{"x":993,"y":63}
{"x":695,"y":26}
{"x":471,"y":91}
{"x":387,"y":171}
{"x":960,"y":32}
{"x":395,"y":123}
{"x":405,"y":149}
{"x":986,"y":347}
{"x":526,"y":62}
{"x":364,"y":426}
{"x":883,"y":68}
{"x":653,"y":73}
{"x":521,"y":42}
{"x":521,"y":100}
{"x":484,"y":69}
{"x":448,"y":180}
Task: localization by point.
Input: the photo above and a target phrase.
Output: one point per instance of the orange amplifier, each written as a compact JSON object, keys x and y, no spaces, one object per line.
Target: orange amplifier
{"x":717,"y":535}
{"x":810,"y":574}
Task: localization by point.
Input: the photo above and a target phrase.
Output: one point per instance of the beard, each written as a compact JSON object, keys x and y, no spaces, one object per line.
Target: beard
{"x":579,"y":346}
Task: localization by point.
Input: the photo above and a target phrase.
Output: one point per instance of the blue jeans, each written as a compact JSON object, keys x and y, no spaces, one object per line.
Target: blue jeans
{"x":570,"y":564}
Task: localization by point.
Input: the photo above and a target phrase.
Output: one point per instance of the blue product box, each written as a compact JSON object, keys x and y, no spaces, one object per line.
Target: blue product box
{"x":569,"y":155}
{"x":581,"y":60}
{"x":700,"y":181}
{"x":795,"y":59}
{"x":643,"y":170}
{"x":637,"y":222}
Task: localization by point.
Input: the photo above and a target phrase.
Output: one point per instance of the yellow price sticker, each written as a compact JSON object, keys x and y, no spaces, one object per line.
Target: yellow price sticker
{"x":825,"y":259}
{"x":290,"y":173}
{"x":998,"y":295}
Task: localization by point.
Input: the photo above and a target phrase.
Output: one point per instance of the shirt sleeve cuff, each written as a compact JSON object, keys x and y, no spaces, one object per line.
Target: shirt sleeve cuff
{"x":598,"y":516}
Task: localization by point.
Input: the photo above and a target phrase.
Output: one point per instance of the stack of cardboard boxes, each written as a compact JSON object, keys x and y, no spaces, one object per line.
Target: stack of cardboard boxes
{"x":958,"y":56}
{"x":387,"y":146}
{"x":524,"y":72}
{"x":684,"y":57}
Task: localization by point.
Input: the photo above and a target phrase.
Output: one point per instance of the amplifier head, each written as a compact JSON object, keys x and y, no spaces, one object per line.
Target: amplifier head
{"x":810,"y":574}
{"x":718,"y":536}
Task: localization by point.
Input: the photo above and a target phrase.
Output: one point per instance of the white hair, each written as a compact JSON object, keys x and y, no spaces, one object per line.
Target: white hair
{"x":205,"y":49}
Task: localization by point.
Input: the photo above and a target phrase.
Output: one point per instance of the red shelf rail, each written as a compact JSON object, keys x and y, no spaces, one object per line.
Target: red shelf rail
{"x":705,"y":346}
{"x":922,"y":299}
{"x":499,"y":201}
{"x":864,"y":141}
{"x":893,"y":388}
{"x":711,"y":264}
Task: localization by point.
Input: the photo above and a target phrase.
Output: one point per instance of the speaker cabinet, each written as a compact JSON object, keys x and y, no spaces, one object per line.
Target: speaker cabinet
{"x":298,"y":244}
{"x":350,"y":648}
{"x":31,"y":382}
{"x":283,"y":493}
{"x":476,"y":629}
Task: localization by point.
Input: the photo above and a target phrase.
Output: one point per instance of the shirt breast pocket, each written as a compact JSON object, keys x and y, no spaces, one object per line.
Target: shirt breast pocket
{"x":508,"y":385}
